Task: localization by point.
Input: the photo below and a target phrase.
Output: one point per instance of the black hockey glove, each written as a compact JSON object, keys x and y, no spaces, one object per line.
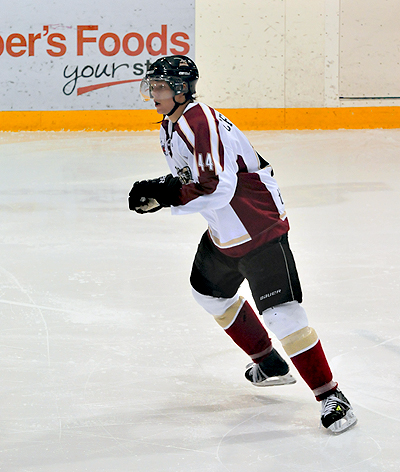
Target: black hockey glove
{"x":148,"y":196}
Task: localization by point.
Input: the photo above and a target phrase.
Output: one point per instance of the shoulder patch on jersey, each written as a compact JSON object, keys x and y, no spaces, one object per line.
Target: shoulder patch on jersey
{"x":185,"y":175}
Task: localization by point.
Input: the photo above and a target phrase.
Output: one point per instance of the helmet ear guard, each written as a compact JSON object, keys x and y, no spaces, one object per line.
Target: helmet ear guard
{"x":181,"y":88}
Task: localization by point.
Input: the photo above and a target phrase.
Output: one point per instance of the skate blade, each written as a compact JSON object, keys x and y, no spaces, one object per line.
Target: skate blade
{"x":287,"y":379}
{"x":344,"y":423}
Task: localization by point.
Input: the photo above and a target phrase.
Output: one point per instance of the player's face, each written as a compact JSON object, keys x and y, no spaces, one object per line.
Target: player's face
{"x":162,"y":95}
{"x":160,"y":90}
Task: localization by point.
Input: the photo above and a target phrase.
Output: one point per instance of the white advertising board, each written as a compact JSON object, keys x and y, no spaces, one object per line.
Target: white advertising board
{"x":85,"y":55}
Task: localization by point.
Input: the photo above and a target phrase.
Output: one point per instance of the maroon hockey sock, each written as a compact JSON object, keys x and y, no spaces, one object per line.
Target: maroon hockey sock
{"x":315,"y":371}
{"x":249,"y":334}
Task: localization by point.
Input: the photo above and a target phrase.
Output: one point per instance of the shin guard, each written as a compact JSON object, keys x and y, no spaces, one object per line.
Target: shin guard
{"x":305,"y":351}
{"x":246,"y":330}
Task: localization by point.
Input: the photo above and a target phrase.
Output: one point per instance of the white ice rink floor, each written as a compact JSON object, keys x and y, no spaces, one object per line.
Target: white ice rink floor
{"x":108,"y":365}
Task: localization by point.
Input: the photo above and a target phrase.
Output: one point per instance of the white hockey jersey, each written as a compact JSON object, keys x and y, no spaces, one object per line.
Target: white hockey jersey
{"x":225,"y":180}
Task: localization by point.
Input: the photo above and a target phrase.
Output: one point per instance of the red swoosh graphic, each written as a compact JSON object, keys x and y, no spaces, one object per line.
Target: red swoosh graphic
{"x":89,"y":88}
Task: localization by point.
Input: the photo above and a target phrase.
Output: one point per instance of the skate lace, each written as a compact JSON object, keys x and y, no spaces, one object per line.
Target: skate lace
{"x":330,"y":404}
{"x":257,"y":374}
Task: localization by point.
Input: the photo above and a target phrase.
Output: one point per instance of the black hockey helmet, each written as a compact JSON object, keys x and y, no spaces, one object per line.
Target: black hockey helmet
{"x":180,"y":73}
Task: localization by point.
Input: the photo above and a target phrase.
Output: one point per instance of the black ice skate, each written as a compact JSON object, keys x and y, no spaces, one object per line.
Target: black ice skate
{"x":337,"y":414}
{"x":271,"y":371}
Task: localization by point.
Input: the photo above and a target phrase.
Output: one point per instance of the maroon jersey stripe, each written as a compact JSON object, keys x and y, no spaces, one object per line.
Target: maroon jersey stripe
{"x":182,"y":135}
{"x":253,"y":203}
{"x":220,"y":145}
{"x":198,"y":123}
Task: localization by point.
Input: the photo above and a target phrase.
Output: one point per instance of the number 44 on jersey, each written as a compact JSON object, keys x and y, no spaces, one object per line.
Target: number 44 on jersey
{"x":208,"y":162}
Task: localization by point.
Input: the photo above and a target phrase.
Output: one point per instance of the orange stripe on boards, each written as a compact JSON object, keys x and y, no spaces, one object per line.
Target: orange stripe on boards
{"x":314,"y":118}
{"x":79,"y":120}
{"x":244,"y":118}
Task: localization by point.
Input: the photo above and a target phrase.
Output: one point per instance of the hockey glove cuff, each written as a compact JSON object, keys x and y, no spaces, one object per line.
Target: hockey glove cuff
{"x":147,"y":205}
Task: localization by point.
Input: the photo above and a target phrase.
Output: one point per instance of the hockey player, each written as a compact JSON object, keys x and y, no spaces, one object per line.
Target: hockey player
{"x":216,"y":172}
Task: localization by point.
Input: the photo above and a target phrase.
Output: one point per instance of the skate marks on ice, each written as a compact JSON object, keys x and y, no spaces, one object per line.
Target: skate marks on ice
{"x":111,"y":410}
{"x":374,"y":356}
{"x":10,"y":287}
{"x":125,"y":373}
{"x":220,"y":434}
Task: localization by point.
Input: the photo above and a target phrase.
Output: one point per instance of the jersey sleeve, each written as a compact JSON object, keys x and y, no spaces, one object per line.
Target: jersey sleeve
{"x":211,"y":163}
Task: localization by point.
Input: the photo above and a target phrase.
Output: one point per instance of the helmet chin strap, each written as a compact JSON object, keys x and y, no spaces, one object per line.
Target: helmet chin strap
{"x":177,"y":105}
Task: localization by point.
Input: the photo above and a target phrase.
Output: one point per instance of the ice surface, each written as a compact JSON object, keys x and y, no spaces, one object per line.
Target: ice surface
{"x":108,"y":365}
